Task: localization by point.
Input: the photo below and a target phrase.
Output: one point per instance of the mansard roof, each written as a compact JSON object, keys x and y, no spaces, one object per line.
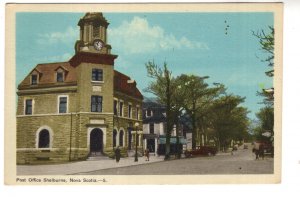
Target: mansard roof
{"x":158,"y":112}
{"x":124,"y":84}
{"x":47,"y":75}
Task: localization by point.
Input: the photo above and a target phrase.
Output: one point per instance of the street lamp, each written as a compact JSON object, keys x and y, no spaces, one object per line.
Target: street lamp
{"x":136,"y":139}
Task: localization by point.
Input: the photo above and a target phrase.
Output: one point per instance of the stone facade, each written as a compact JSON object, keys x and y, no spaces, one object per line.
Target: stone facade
{"x":66,"y":110}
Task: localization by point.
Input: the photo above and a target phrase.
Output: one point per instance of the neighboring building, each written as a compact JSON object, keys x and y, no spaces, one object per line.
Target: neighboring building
{"x":154,"y":129}
{"x":186,"y":127}
{"x":71,"y":110}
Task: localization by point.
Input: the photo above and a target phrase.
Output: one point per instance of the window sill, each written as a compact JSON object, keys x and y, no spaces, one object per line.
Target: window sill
{"x":97,"y":82}
{"x":45,"y":150}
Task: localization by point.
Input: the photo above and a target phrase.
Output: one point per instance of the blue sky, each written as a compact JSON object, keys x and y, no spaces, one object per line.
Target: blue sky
{"x":191,"y":43}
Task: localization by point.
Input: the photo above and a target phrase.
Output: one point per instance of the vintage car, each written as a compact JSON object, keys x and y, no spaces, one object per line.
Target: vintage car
{"x":201,"y":151}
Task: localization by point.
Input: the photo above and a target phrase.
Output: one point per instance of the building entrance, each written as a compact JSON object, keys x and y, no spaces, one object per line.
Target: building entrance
{"x":151,"y":145}
{"x":96,"y":142}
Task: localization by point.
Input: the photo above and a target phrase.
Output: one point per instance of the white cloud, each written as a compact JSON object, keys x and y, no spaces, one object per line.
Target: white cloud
{"x":71,"y":34}
{"x":138,"y":36}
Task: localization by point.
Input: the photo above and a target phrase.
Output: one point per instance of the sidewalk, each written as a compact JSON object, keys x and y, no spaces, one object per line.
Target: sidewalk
{"x":82,"y":166}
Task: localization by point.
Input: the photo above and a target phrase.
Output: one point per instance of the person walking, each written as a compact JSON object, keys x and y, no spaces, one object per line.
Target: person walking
{"x":117,"y":154}
{"x":147,"y":154}
{"x":262,"y":151}
{"x":256,"y":150}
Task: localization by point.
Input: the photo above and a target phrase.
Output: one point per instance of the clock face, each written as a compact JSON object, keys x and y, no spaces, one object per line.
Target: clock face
{"x":98,"y":45}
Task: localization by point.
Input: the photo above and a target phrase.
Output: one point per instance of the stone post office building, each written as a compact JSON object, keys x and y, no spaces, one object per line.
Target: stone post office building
{"x":71,"y":110}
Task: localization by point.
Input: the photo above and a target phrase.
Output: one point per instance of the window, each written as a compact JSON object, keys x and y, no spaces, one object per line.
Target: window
{"x":121,"y":138}
{"x":148,"y":113}
{"x":44,"y":139}
{"x":129,"y":110}
{"x":96,"y":104}
{"x":114,"y":138}
{"x":97,"y":74}
{"x":33,"y":79}
{"x":115,"y":107}
{"x":121,"y":108}
{"x":151,"y":128}
{"x":60,"y":77}
{"x":62,"y":104}
{"x":28,"y":106}
{"x":137,"y":112}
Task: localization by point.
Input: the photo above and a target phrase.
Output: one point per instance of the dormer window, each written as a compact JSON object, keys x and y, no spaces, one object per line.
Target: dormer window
{"x":59,"y":77}
{"x":61,"y":73}
{"x":148,"y":113}
{"x":34,"y":79}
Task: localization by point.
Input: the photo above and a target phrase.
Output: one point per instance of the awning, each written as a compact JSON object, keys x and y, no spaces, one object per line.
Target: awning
{"x":267,"y":134}
{"x":172,"y":140}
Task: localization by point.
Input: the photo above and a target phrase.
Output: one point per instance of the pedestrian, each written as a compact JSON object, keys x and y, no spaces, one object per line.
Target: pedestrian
{"x":262,"y":151}
{"x":256,"y":150}
{"x":117,"y":154}
{"x":147,"y":154}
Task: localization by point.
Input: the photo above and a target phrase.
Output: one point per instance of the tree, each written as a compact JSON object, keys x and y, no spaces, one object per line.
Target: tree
{"x":266,"y":124}
{"x":195,"y":99}
{"x":228,"y":120}
{"x":266,"y":42}
{"x":266,"y":114}
{"x":163,"y":87}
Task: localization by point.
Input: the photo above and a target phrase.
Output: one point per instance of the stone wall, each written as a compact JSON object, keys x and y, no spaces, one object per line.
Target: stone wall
{"x":59,"y":127}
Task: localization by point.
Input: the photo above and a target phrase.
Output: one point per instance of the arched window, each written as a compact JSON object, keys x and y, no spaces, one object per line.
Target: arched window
{"x":114,"y":138}
{"x":44,"y":139}
{"x":121,"y":138}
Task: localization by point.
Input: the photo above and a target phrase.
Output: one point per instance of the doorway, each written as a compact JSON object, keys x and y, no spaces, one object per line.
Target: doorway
{"x":151,"y":145}
{"x":96,"y":142}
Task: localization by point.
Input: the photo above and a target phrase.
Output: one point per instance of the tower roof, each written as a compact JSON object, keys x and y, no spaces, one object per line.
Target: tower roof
{"x":94,"y":17}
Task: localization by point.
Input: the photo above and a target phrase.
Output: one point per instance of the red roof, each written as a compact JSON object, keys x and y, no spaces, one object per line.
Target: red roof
{"x":47,"y":75}
{"x":121,"y":84}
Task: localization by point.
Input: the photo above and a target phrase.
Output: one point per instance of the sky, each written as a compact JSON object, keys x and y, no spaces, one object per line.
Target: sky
{"x":190,"y":43}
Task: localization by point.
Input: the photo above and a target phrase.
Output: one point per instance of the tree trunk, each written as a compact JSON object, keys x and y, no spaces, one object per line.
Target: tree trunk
{"x":178,"y":152}
{"x":194,"y":131}
{"x":168,"y":114}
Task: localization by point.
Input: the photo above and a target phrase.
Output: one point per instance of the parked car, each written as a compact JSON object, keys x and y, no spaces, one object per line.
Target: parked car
{"x":268,"y":149}
{"x":201,"y":150}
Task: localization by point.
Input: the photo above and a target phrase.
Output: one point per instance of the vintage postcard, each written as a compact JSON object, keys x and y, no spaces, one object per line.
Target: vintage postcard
{"x":143,"y":93}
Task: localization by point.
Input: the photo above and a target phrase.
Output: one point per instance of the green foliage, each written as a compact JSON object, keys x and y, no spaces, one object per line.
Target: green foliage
{"x":266,"y":114}
{"x":268,"y":97}
{"x":212,"y":112}
{"x":266,"y":42}
{"x":228,"y":120}
{"x":266,"y":123}
{"x":196,"y":97}
{"x":163,"y":87}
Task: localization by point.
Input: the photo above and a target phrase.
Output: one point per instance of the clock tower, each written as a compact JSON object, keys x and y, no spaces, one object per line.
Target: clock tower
{"x":93,"y":34}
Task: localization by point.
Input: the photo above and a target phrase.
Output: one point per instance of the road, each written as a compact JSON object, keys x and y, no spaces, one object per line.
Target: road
{"x":241,"y":162}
